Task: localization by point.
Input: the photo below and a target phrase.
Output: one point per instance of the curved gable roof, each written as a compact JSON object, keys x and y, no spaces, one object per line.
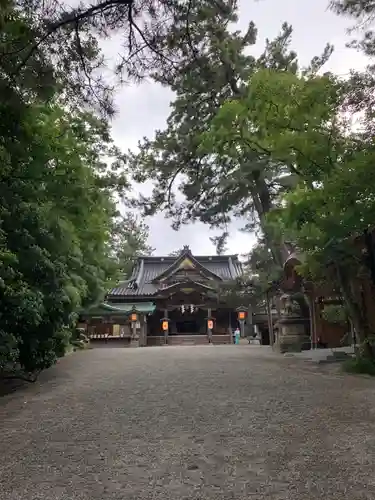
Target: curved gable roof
{"x":143,"y":279}
{"x":191,"y":262}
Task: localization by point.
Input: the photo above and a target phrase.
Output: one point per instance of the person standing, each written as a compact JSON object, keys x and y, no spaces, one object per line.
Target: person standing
{"x":237,"y":335}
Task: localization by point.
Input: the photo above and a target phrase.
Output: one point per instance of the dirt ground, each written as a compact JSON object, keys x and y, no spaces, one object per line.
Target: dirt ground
{"x":224,"y":422}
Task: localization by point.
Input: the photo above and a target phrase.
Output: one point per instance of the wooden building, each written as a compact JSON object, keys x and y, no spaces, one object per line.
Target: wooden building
{"x":169,"y":300}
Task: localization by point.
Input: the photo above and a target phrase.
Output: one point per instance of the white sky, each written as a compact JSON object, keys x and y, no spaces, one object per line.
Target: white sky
{"x":144,"y":108}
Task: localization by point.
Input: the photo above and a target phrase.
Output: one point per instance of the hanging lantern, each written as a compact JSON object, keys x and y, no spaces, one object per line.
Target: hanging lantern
{"x":134,"y":317}
{"x":241,"y":313}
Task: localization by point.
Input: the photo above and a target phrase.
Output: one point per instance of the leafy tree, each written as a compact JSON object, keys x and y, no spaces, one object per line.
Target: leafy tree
{"x":57,"y":203}
{"x":299,"y":121}
{"x":360,"y":96}
{"x":216,"y":187}
{"x":262,"y":268}
{"x":56,"y":213}
{"x":128,"y":242}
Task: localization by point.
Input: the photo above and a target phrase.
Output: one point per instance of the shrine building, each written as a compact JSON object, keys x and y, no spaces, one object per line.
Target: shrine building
{"x":169,"y":301}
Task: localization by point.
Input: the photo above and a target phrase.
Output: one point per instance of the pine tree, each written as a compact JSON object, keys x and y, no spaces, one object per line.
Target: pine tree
{"x":214,"y":66}
{"x":362,"y":12}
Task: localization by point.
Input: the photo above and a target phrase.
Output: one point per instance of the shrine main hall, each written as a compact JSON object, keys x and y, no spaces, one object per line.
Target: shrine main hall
{"x":169,"y":301}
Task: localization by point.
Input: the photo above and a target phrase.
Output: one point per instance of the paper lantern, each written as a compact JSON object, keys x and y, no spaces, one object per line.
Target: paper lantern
{"x":164,"y":326}
{"x":210,"y":324}
{"x":134,"y":317}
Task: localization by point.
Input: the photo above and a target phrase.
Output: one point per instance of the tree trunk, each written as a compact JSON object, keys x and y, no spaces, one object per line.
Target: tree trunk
{"x":262,"y":203}
{"x":370,"y":262}
{"x":354,"y":310}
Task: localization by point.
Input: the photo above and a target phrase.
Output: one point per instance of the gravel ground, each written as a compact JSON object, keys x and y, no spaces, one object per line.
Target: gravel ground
{"x":224,"y":422}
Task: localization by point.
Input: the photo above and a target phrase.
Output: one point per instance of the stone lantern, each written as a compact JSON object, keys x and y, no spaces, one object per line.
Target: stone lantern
{"x":293,"y":325}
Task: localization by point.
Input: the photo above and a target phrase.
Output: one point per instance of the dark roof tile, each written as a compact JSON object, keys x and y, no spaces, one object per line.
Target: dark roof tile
{"x":226,"y":267}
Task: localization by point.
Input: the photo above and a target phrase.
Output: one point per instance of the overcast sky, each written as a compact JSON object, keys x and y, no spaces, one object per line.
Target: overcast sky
{"x":143,"y":109}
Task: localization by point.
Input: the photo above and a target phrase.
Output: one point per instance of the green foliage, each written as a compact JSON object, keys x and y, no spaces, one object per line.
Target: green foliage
{"x":60,"y":178}
{"x":61,"y":238}
{"x":264,"y":272}
{"x":240,"y":292}
{"x":220,"y":242}
{"x":299,"y":120}
{"x":217,"y":183}
{"x":215,"y":187}
{"x":359,"y":365}
{"x":335,"y":314}
{"x":55,"y":220}
{"x":362,"y":12}
{"x":68,"y":38}
{"x":128,"y":242}
{"x":283,"y":116}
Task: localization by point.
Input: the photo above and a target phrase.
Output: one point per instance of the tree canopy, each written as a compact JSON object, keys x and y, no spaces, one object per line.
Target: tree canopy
{"x":301,"y":121}
{"x":362,"y":13}
{"x":60,"y":179}
{"x":215,"y":187}
{"x":66,"y":40}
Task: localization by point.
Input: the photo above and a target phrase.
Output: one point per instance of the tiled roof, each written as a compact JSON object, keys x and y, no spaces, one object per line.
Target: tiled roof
{"x":227,"y":267}
{"x":114,"y":309}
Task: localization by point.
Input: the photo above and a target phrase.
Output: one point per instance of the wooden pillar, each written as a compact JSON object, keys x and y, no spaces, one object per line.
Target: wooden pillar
{"x":270,"y":322}
{"x":249,"y":321}
{"x":209,"y":331}
{"x":312,"y":312}
{"x":230,"y":326}
{"x":318,"y":330}
{"x":145,"y":330}
{"x":166,"y":331}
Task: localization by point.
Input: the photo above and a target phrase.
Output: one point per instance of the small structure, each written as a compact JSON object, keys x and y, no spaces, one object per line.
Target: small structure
{"x":169,"y":300}
{"x":294,"y":320}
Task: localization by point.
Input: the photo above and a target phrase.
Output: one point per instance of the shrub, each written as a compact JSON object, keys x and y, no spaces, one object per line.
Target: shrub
{"x":359,"y":364}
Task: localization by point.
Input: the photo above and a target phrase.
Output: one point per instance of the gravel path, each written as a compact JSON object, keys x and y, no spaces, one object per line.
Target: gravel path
{"x":191,"y":423}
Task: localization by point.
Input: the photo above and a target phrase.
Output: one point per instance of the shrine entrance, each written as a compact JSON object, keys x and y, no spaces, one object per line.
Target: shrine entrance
{"x":187,"y":327}
{"x":190,"y":321}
